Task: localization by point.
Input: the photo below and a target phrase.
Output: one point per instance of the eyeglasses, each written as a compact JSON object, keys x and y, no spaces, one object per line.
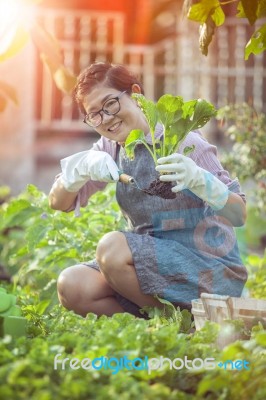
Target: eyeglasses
{"x":110,"y":107}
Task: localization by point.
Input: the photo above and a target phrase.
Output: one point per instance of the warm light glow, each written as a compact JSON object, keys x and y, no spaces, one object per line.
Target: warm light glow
{"x":10,"y":13}
{"x":13,"y":13}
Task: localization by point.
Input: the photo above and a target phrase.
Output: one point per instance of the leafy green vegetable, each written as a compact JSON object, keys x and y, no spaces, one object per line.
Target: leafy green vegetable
{"x":27,"y":363}
{"x":178,"y":119}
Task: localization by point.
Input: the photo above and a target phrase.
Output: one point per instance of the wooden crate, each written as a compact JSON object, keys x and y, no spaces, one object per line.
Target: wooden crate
{"x":221,"y":309}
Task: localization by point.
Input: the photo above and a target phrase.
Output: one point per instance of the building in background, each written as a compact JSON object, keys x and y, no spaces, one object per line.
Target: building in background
{"x":148,"y":36}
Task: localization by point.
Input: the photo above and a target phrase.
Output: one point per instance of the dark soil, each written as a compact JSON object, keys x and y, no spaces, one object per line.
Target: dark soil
{"x":161,"y":189}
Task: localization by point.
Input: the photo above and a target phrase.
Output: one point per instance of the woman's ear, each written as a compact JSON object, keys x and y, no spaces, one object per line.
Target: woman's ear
{"x":136,"y":88}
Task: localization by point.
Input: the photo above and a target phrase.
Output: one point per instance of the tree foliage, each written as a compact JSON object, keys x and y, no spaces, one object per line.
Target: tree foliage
{"x":210,"y":14}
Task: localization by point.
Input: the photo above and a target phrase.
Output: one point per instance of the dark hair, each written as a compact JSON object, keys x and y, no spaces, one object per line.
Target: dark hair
{"x":110,"y":75}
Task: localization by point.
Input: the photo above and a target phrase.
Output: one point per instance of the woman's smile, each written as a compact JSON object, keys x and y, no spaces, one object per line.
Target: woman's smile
{"x":118,"y":126}
{"x":114,"y":128}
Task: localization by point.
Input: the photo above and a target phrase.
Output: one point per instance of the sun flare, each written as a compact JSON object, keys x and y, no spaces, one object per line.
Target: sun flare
{"x":14,"y":14}
{"x":10,"y":13}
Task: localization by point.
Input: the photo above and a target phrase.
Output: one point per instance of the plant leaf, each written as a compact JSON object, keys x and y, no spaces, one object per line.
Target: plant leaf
{"x":257,"y":42}
{"x":41,"y":307}
{"x":203,"y":112}
{"x":169,"y":110}
{"x":201,"y":11}
{"x":188,"y":108}
{"x":261,"y":10}
{"x":135,"y":137}
{"x":218,"y":16}
{"x":178,"y":119}
{"x":250,"y":10}
{"x":240,"y":11}
{"x":188,"y":149}
{"x":206,"y":33}
{"x":34,"y":235}
{"x":196,"y":113}
{"x":149,"y":109}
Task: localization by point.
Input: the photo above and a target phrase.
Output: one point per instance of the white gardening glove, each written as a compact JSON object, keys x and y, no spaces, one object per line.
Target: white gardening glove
{"x":87,"y":165}
{"x":188,"y":175}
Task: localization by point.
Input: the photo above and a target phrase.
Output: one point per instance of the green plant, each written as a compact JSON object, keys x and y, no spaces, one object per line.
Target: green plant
{"x":27,"y":365}
{"x":210,"y":15}
{"x":256,"y":283}
{"x":11,"y":322}
{"x":36,"y":243}
{"x":177,"y":117}
{"x":247,"y":159}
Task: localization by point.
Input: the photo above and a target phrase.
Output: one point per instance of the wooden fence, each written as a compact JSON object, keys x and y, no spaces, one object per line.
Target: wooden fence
{"x":173,"y":65}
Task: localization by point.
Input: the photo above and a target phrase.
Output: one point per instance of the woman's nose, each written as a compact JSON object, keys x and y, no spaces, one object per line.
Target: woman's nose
{"x":106,"y":118}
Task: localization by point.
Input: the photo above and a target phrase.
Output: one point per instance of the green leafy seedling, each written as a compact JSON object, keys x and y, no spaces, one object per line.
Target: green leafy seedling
{"x":11,"y":321}
{"x":177,"y":117}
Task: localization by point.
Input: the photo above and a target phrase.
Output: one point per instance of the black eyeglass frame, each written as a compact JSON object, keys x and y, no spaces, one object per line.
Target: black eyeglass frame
{"x":102,"y":110}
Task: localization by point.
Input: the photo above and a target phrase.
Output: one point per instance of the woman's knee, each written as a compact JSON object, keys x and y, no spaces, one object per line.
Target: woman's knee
{"x":112,"y":252}
{"x":84,"y":289}
{"x":67,"y":286}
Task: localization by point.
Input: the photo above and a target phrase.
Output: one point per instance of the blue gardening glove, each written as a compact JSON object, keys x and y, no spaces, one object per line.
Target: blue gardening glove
{"x":87,"y":165}
{"x":187,"y":175}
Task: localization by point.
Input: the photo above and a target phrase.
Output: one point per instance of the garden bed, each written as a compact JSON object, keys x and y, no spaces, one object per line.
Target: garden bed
{"x":36,"y":244}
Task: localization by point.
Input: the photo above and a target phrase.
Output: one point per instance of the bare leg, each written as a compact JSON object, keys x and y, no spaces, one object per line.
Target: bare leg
{"x":84,"y":289}
{"x":115,"y":260}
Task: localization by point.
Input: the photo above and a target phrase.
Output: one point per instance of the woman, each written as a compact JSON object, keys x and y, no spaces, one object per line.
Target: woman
{"x":176,"y":248}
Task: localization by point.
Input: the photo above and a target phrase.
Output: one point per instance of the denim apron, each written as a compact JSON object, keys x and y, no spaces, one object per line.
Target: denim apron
{"x":180,"y":246}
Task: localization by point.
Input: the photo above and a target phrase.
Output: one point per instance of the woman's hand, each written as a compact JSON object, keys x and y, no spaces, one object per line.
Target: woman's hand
{"x":188,"y":175}
{"x":87,"y":165}
{"x":185,"y":172}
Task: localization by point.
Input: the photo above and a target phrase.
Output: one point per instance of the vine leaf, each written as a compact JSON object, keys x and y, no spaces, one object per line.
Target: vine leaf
{"x":261,"y":11}
{"x":206,"y":33}
{"x":210,"y":14}
{"x":250,"y":12}
{"x":257,"y":42}
{"x":250,"y":9}
{"x":204,"y":9}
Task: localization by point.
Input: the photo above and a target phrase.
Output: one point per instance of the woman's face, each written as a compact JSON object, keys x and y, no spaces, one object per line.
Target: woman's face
{"x":116,"y":127}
